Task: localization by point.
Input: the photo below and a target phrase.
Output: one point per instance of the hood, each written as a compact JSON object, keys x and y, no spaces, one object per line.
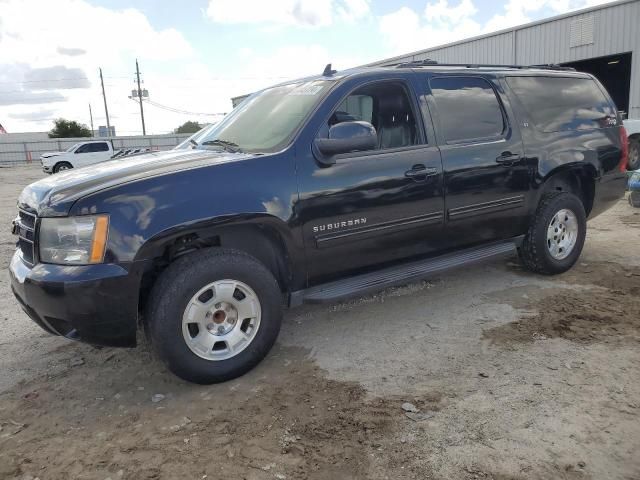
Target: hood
{"x":53,"y":196}
{"x":51,"y":154}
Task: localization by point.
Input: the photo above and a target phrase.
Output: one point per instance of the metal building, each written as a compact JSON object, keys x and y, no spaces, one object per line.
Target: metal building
{"x":603,"y":41}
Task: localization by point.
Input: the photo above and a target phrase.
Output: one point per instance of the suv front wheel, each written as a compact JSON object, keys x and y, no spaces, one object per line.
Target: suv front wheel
{"x":214,"y":314}
{"x":556,"y":235}
{"x":62,"y":166}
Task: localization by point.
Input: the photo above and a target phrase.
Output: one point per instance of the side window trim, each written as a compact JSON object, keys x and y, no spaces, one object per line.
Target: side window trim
{"x":506,"y":125}
{"x":415,"y":108}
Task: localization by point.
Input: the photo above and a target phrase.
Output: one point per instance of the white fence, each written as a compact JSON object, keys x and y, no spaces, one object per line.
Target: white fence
{"x":20,"y":153}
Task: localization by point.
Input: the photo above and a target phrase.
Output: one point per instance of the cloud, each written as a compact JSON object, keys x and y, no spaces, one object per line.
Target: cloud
{"x":405,"y":30}
{"x":33,"y":116}
{"x":304,"y":13}
{"x":40,"y":61}
{"x":444,"y":21}
{"x":56,"y":77}
{"x":30,"y":98}
{"x":72,"y":52}
{"x":22,"y":84}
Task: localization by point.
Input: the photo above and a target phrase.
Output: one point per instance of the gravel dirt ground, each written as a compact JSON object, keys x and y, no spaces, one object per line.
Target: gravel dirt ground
{"x":510,"y":376}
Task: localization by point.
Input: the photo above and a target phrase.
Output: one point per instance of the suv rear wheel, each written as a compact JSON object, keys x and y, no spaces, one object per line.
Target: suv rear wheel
{"x":214,"y":314}
{"x":634,"y":153}
{"x":556,"y":236}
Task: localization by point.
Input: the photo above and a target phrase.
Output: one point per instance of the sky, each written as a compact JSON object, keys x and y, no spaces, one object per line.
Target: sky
{"x":196,"y":54}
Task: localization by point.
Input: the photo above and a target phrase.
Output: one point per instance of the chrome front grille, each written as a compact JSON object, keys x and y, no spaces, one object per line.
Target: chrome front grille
{"x":24,"y":226}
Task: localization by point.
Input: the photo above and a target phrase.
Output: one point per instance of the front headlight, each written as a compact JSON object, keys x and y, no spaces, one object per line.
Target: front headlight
{"x":73,"y":240}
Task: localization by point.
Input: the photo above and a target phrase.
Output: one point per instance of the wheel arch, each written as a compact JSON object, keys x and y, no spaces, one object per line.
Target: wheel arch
{"x":59,"y":162}
{"x":578,"y":179}
{"x":265,"y":238}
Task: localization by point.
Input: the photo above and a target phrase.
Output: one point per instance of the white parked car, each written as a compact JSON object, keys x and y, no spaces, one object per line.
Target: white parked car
{"x":79,"y":155}
{"x":632,"y":126}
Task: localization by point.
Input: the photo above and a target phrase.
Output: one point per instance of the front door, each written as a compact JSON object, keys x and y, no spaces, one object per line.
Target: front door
{"x":90,"y":153}
{"x":486,"y":176}
{"x":376,"y":206}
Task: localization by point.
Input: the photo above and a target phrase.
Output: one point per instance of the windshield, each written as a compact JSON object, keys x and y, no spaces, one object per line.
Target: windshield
{"x":199,"y":135}
{"x":266,"y":120}
{"x":72,"y":147}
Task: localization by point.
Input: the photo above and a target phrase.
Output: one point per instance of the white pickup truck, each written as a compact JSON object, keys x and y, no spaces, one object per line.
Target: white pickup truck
{"x":84,"y":153}
{"x":632,"y":126}
{"x":78,"y":155}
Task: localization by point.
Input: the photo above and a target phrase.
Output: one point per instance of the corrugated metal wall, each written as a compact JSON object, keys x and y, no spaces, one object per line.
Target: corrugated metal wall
{"x":616,"y":29}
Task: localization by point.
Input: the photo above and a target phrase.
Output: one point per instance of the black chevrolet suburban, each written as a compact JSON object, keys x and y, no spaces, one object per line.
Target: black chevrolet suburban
{"x":313,"y":191}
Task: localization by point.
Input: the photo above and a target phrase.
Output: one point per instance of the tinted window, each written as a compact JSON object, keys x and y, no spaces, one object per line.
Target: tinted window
{"x":84,"y":148}
{"x":561,"y":103}
{"x":467,"y":108}
{"x":99,"y":147}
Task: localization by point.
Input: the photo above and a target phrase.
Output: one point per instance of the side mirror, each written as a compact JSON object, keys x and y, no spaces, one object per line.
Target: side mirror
{"x":346,"y":137}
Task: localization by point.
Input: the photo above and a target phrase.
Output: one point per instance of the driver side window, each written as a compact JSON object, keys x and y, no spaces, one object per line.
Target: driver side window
{"x":354,"y":107}
{"x":386,"y":106}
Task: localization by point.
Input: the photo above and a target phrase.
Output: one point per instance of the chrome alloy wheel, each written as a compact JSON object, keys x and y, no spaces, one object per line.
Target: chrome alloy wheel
{"x":562,"y":234}
{"x":221,"y":320}
{"x":63,"y":167}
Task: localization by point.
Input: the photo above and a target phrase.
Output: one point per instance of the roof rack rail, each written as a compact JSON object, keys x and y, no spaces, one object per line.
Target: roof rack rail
{"x":553,"y":66}
{"x":416,"y":63}
{"x":429,"y":62}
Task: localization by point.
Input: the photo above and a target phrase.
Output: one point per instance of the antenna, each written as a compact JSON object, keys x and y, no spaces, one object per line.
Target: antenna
{"x":327,"y":71}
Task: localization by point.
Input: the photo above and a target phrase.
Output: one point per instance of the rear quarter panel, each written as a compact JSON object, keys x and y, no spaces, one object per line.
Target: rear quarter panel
{"x":596,"y":151}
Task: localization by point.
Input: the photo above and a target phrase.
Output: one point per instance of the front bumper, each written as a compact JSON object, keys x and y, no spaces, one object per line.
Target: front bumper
{"x":97,"y":304}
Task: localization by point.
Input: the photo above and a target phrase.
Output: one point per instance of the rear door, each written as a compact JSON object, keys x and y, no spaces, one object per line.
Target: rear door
{"x":486,"y":175}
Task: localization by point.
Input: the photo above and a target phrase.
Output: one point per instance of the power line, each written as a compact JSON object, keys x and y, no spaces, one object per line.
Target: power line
{"x":178,"y":79}
{"x":40,"y":100}
{"x":183,"y":112}
{"x":45,"y":80}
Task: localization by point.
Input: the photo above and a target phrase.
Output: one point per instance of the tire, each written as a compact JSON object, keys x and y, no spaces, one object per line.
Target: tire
{"x":181,"y":338}
{"x":634,"y":154}
{"x":539,"y":251}
{"x":61,"y":166}
{"x":634,"y":199}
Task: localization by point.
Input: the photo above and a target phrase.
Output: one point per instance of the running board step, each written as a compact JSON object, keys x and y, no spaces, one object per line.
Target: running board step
{"x":398,"y":275}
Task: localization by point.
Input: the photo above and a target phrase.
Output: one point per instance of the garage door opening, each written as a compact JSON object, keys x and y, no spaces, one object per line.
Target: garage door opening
{"x":614,"y":72}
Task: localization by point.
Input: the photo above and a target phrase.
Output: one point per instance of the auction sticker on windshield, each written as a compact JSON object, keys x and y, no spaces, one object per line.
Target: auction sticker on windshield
{"x":307,"y":89}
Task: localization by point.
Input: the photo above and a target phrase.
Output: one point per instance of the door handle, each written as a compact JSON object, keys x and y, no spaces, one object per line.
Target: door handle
{"x":420,"y":170}
{"x":508,"y":158}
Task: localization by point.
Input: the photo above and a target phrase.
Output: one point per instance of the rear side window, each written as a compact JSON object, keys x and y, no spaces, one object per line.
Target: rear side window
{"x":558,"y":104}
{"x":468,"y":108}
{"x":99,"y":147}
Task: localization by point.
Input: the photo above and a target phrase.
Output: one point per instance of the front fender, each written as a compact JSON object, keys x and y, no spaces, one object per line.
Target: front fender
{"x":147,"y":213}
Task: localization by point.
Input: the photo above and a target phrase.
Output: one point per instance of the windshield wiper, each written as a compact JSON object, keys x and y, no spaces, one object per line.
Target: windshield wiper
{"x":225,"y":144}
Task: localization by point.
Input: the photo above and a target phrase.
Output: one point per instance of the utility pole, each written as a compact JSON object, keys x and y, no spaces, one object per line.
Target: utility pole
{"x":144,"y":130}
{"x":106,"y":110}
{"x":91,"y":118}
